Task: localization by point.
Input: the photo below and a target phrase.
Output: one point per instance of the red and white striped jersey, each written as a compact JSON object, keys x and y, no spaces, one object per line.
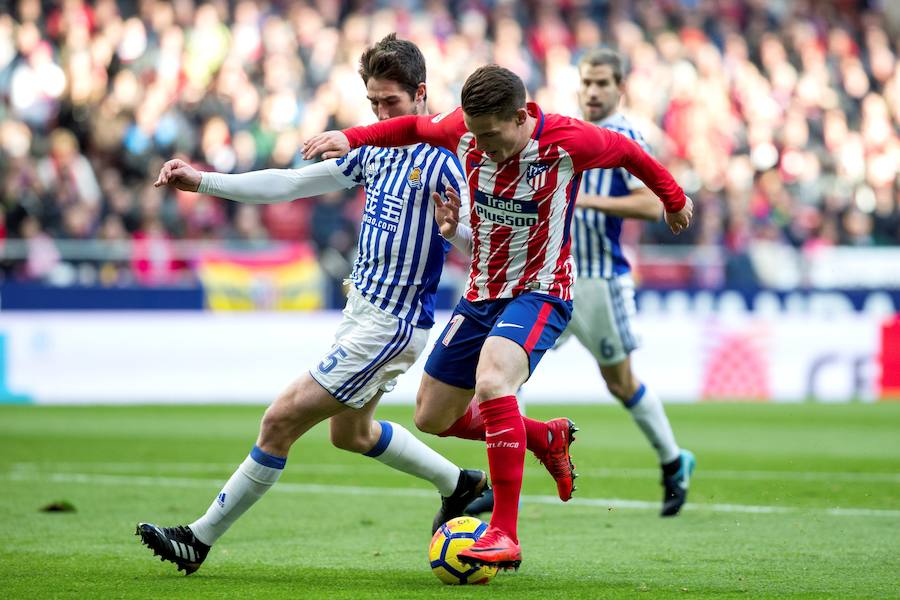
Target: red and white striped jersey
{"x":521,"y":209}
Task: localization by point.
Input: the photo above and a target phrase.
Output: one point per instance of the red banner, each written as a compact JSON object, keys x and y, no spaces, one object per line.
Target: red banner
{"x":889,"y":380}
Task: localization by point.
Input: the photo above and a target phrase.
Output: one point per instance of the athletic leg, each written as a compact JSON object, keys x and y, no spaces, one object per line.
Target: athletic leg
{"x":602,"y":322}
{"x":529,"y":325}
{"x":303,"y":404}
{"x":644,"y":406}
{"x":393,"y":445}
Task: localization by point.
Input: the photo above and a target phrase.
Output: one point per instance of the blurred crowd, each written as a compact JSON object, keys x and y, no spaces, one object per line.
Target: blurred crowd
{"x":780,"y":118}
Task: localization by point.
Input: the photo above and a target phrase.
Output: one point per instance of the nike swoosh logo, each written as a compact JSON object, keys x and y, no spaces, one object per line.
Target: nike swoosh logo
{"x":495,"y":433}
{"x":502,"y":324}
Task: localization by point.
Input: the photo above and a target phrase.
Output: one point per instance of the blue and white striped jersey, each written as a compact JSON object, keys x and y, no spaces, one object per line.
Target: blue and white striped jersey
{"x":401,"y":251}
{"x":595,"y":239}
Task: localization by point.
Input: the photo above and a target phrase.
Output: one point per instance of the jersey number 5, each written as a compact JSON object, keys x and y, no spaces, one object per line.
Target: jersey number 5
{"x":331,"y":360}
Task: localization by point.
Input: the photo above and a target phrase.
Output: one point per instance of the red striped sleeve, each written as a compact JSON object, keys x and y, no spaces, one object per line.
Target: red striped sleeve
{"x":594,"y":147}
{"x":442,"y":130}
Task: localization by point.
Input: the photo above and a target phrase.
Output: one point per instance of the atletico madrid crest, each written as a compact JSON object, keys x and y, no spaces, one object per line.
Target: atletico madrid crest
{"x":537,"y":175}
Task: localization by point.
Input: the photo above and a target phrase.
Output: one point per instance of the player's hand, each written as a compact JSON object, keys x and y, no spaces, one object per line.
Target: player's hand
{"x":681,"y":220}
{"x":180,"y":175}
{"x":331,"y":144}
{"x":446,"y":214}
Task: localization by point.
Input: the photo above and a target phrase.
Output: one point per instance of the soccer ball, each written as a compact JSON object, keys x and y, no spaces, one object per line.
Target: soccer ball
{"x":453,"y":536}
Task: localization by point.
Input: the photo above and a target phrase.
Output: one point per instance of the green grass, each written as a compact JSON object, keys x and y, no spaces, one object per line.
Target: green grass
{"x":370,"y":540}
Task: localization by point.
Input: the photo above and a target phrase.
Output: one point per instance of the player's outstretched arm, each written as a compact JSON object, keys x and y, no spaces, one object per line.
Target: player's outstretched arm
{"x":269,"y":186}
{"x":681,"y":220}
{"x":438,"y":130}
{"x":329,"y":144}
{"x":179,"y":175}
{"x":639,"y":204}
{"x":594,"y":147}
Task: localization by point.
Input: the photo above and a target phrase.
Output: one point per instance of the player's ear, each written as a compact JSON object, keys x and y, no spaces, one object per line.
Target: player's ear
{"x":521,"y":116}
{"x":421,"y":93}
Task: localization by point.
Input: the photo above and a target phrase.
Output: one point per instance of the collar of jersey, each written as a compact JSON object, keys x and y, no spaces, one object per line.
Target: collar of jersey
{"x":535,"y":111}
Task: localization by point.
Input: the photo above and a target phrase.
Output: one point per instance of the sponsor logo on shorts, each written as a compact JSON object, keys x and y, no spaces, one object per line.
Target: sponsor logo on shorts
{"x":505,"y":324}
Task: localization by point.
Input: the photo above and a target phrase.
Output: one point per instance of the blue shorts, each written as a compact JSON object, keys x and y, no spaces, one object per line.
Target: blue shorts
{"x":532,"y":320}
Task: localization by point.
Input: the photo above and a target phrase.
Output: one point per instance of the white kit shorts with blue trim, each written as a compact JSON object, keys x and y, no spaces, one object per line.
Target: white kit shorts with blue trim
{"x":602,"y":315}
{"x":371,"y":348}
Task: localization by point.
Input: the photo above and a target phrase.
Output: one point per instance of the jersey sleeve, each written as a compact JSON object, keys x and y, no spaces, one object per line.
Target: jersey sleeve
{"x":452,"y":177}
{"x":593,"y":147}
{"x":350,"y":168}
{"x":631,"y":181}
{"x":274,"y":185}
{"x":443,"y":130}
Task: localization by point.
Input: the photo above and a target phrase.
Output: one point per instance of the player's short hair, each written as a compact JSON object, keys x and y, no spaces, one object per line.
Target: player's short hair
{"x":394,"y":60}
{"x":493,"y":90}
{"x":605,"y":56}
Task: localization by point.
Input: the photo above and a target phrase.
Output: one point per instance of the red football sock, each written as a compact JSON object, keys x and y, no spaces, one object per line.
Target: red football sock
{"x":470,"y":426}
{"x":538,"y":434}
{"x":505,"y":435}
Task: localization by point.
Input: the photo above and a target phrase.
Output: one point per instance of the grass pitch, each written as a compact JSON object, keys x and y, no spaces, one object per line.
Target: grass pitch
{"x":787,"y":501}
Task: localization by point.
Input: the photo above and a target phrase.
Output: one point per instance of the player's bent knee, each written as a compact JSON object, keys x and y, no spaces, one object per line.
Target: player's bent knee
{"x":274,"y":429}
{"x":426,"y":419}
{"x":492,"y":385}
{"x":275,"y":419}
{"x":431,"y":423}
{"x":277,"y":425}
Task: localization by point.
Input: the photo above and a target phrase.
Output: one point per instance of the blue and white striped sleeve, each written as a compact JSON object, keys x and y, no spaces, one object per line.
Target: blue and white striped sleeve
{"x":631,"y":181}
{"x":452,"y":177}
{"x":351,"y":167}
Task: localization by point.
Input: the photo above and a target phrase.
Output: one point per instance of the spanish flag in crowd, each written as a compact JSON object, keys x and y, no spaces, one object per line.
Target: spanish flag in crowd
{"x":284,"y":277}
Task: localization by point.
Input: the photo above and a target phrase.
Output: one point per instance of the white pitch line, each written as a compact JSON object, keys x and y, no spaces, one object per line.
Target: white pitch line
{"x":327,"y":468}
{"x":312,"y":488}
{"x":847,"y":476}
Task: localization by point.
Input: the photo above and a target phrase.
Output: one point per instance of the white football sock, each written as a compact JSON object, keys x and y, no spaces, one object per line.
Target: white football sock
{"x":401,"y":450}
{"x":253,"y":478}
{"x":647,"y":411}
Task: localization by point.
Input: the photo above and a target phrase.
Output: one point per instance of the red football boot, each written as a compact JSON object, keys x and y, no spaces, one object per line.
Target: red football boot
{"x":494,"y":549}
{"x":557,"y":459}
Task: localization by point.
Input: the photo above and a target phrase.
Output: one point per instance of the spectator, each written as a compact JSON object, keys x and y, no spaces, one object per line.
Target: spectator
{"x":781,"y":119}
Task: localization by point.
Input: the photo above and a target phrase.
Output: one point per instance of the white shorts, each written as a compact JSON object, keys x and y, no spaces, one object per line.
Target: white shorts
{"x":602,"y":317}
{"x":371,"y":348}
